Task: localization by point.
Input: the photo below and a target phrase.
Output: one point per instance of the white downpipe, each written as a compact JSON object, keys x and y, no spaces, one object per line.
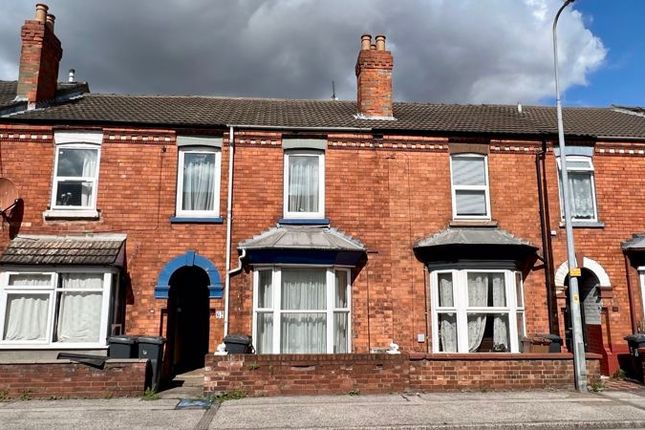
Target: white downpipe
{"x":229,"y":225}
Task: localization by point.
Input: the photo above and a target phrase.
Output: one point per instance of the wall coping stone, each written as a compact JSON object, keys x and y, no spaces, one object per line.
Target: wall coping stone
{"x":111,"y":361}
{"x":498,"y":356}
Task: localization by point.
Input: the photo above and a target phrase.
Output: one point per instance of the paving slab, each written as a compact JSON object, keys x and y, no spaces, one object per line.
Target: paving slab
{"x":97,"y":414}
{"x":533,"y":410}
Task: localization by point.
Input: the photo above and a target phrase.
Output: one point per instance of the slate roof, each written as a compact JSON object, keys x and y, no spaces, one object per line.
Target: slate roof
{"x":8,"y":91}
{"x":303,"y":237}
{"x":636,"y":243}
{"x":330,"y":114}
{"x":472,"y":236}
{"x":101,"y":250}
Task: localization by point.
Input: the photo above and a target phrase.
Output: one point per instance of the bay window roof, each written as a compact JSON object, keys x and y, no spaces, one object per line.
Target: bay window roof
{"x":304,"y":244}
{"x":456,"y":244}
{"x":96,"y":249}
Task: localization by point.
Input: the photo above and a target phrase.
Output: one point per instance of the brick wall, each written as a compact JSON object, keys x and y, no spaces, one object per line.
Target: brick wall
{"x":387,"y":192}
{"x":272,"y":375}
{"x":66,"y":379}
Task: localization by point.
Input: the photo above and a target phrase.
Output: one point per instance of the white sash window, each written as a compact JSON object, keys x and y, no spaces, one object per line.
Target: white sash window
{"x":304,"y":184}
{"x":56,"y":309}
{"x":470,"y":191}
{"x":301,"y":310}
{"x":581,"y":187}
{"x":477,"y":310}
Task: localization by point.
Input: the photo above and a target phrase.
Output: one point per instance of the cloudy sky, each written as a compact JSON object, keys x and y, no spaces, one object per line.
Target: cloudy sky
{"x":454,"y":51}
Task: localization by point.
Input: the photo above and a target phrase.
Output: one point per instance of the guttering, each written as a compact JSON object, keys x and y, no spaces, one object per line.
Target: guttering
{"x":229,"y":225}
{"x":642,"y":138}
{"x":280,"y":127}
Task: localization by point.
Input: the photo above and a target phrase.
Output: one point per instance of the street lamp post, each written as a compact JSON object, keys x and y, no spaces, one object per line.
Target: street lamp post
{"x":580,"y":364}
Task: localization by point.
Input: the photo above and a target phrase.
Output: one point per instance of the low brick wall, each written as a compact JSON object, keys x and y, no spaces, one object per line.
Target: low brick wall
{"x":66,"y":379}
{"x":452,"y":372}
{"x":271,"y":375}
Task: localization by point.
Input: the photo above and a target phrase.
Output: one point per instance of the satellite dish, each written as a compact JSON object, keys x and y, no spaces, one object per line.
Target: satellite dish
{"x":8,"y":197}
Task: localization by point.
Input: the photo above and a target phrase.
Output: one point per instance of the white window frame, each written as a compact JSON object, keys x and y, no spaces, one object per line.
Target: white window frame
{"x":641,"y":277}
{"x":320,"y":214}
{"x":183,"y":150}
{"x":461,"y":309}
{"x":454,"y":188}
{"x":276,"y":290}
{"x":53,"y":291}
{"x":591,"y":171}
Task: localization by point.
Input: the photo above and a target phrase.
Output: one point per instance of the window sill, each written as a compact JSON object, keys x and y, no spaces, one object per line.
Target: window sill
{"x":72,"y":214}
{"x":297,"y":221}
{"x":585,"y":224}
{"x":472,"y":223}
{"x":54,"y":346}
{"x":196,"y":220}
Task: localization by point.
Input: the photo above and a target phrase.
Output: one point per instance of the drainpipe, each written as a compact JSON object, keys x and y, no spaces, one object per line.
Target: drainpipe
{"x":545,"y":224}
{"x":229,"y":226}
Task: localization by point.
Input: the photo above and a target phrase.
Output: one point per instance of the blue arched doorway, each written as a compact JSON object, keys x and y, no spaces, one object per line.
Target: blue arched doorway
{"x":188,"y":282}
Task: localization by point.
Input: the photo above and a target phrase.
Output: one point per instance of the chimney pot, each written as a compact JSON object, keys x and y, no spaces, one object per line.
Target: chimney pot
{"x":71,"y":75}
{"x":51,"y":19}
{"x":41,"y":12}
{"x":366,"y":42}
{"x":40,"y":57}
{"x":380,"y":42}
{"x":374,"y":79}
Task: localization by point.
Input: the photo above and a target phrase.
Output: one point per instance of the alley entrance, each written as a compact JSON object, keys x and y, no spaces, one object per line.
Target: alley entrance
{"x":590,"y":312}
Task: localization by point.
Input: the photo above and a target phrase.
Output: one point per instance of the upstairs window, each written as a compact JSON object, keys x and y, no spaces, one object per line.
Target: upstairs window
{"x":470,"y":191}
{"x":582,"y":188}
{"x":76,"y":173}
{"x":304,"y":184}
{"x":198,"y":182}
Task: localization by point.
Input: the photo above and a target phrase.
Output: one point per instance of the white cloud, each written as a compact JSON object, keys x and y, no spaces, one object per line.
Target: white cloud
{"x":464,"y":51}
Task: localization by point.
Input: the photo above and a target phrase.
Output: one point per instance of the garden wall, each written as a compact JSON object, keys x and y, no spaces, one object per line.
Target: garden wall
{"x":272,"y":375}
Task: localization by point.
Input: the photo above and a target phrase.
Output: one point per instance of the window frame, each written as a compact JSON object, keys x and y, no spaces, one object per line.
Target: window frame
{"x":80,"y":211}
{"x":592,"y":173}
{"x":276,"y":303}
{"x":197,"y":149}
{"x":641,"y":278}
{"x":54,"y":291}
{"x":454,"y":188}
{"x":461,"y":309}
{"x":320,"y":154}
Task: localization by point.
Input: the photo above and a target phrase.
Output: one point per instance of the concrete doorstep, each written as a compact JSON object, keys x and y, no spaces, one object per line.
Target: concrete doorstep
{"x":455,"y":411}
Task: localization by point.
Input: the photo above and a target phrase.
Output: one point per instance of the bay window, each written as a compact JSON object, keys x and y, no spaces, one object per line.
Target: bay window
{"x":301,"y":310}
{"x":57,"y":309}
{"x":477,"y":310}
{"x":304,"y":184}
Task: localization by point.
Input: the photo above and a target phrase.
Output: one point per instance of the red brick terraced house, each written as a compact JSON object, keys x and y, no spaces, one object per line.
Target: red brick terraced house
{"x":320,"y":227}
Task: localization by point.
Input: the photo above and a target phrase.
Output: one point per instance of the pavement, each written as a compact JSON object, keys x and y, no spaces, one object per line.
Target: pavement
{"x":447,"y":411}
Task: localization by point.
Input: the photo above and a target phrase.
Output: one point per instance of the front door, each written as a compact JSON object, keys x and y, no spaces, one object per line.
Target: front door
{"x":188,"y":320}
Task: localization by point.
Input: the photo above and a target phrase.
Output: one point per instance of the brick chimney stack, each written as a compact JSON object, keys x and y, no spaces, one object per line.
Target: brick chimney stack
{"x":374,"y":78}
{"x":39,"y":58}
